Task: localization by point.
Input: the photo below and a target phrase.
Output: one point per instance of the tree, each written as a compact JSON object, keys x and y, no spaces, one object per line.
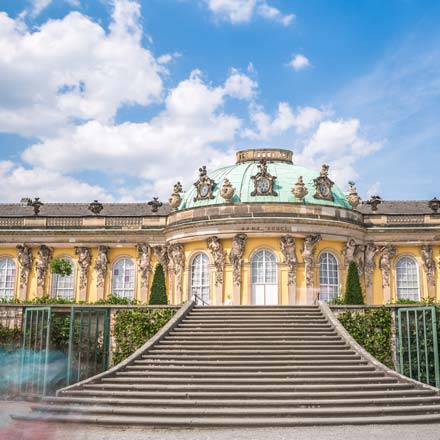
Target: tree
{"x":158,"y":289}
{"x":353,"y":290}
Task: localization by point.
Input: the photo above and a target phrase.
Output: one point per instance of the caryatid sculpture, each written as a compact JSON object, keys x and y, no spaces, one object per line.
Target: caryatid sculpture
{"x":144,"y":263}
{"x":387,"y":253}
{"x":84,"y":260}
{"x":101,"y":265}
{"x":25,"y":259}
{"x":218,"y":254}
{"x":370,"y":254}
{"x":428,"y":264}
{"x":288,"y":249}
{"x":177,"y":256}
{"x":308,"y":255}
{"x":236,"y":256}
{"x":42,"y":265}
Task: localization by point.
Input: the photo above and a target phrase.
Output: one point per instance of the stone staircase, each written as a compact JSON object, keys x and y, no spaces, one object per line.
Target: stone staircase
{"x":246,"y":366}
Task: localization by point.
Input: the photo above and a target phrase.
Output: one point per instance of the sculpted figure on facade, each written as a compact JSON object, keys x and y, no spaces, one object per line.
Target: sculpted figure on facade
{"x":386,"y":254}
{"x":43,"y":259}
{"x":161,"y":252}
{"x":428,"y":264}
{"x":101,"y":265}
{"x":288,"y":249}
{"x":236,"y":256}
{"x":84,"y":260}
{"x":177,"y":258}
{"x":349,"y":250}
{"x":308,"y":255}
{"x":370,"y":253}
{"x":218,"y":254}
{"x":25,"y":259}
{"x":144,"y":262}
{"x":359,"y":258}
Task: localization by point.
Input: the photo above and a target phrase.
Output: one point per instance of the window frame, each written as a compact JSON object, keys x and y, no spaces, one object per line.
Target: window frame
{"x":202,"y":290}
{"x":328,"y":295}
{"x":128,"y":292}
{"x":412,"y":258}
{"x":3,"y":286}
{"x":54,"y":279}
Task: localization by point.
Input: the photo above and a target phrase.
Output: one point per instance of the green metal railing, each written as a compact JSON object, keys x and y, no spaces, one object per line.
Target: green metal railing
{"x":417,"y":344}
{"x":35,"y":351}
{"x":88,"y":343}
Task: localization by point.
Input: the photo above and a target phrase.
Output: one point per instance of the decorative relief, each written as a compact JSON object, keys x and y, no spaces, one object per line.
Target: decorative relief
{"x":101,"y":265}
{"x":37,"y":204}
{"x":323,"y":185}
{"x":176,"y":199}
{"x":204,"y":186}
{"x":177,"y":257}
{"x":406,"y":219}
{"x":25,"y":259}
{"x":348,"y":251}
{"x":124,"y":222}
{"x":434,"y":204}
{"x":227,"y":191}
{"x":353,"y":196}
{"x":387,"y":253}
{"x":155,"y":204}
{"x":216,"y":248}
{"x":236,"y":256}
{"x":84,"y":260}
{"x":263,"y":181}
{"x":370,"y":253}
{"x":64,"y":222}
{"x":299,"y":190}
{"x":428,"y":264}
{"x":288,"y":249}
{"x":43,"y":259}
{"x":161,"y":252}
{"x":144,"y":262}
{"x":308,"y":255}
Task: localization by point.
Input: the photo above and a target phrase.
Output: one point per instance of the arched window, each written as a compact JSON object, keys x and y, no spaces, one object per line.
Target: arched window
{"x":407,"y":278}
{"x":64,"y":287}
{"x":264,"y":278}
{"x":328,"y":276}
{"x":8,"y":274}
{"x":123,"y":278}
{"x":200,"y":277}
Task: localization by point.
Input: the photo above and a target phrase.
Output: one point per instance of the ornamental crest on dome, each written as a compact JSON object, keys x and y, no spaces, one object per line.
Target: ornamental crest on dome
{"x":204,"y":186}
{"x":263,"y":181}
{"x":323,"y":185}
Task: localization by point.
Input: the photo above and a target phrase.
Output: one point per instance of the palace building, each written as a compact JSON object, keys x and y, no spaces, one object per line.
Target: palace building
{"x":262,"y":231}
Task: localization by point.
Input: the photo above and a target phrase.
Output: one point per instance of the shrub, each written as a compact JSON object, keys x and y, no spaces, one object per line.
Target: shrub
{"x":158,"y":289}
{"x":353,"y":290}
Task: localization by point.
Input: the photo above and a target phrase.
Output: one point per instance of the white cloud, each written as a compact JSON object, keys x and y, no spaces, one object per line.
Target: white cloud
{"x":373,"y":190}
{"x":242,"y":11}
{"x":50,"y":186}
{"x":72,"y":69}
{"x":174,"y":143}
{"x":240,"y":86}
{"x":299,"y":62}
{"x":285,"y":119}
{"x":340,"y":144}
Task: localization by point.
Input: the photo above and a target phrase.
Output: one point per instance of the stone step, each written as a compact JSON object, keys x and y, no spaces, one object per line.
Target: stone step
{"x":254,"y":307}
{"x":250,"y":374}
{"x":236,"y":388}
{"x":177,"y":336}
{"x":130,"y":380}
{"x":310,"y":358}
{"x":258,"y":321}
{"x":282,"y":325}
{"x":252,"y":360}
{"x":298,"y":351}
{"x":252,"y":332}
{"x":247,"y":369}
{"x":266,"y":317}
{"x":250,"y":345}
{"x":388,"y":401}
{"x":237,"y":421}
{"x":253,"y":395}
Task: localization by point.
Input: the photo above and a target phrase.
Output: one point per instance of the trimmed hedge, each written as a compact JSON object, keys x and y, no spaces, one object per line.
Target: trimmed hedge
{"x":372,"y":330}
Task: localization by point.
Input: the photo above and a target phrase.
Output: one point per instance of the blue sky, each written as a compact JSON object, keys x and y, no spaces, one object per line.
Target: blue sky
{"x":117,"y":100}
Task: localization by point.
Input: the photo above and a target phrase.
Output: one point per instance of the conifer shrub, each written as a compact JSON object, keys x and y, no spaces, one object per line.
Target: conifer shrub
{"x":158,"y":289}
{"x":353,"y":290}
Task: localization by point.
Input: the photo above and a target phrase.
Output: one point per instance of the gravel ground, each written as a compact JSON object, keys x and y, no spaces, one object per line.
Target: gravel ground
{"x":10,"y":430}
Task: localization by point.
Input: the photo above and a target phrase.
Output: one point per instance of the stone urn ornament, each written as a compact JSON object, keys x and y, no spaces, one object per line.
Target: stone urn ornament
{"x":353,"y":196}
{"x":227,"y":191}
{"x":299,"y":190}
{"x":176,"y":199}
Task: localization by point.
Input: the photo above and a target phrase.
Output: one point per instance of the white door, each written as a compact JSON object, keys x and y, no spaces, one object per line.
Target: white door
{"x":264,"y":278}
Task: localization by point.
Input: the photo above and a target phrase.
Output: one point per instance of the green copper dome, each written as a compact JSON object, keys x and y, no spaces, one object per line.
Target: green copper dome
{"x":240,"y":176}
